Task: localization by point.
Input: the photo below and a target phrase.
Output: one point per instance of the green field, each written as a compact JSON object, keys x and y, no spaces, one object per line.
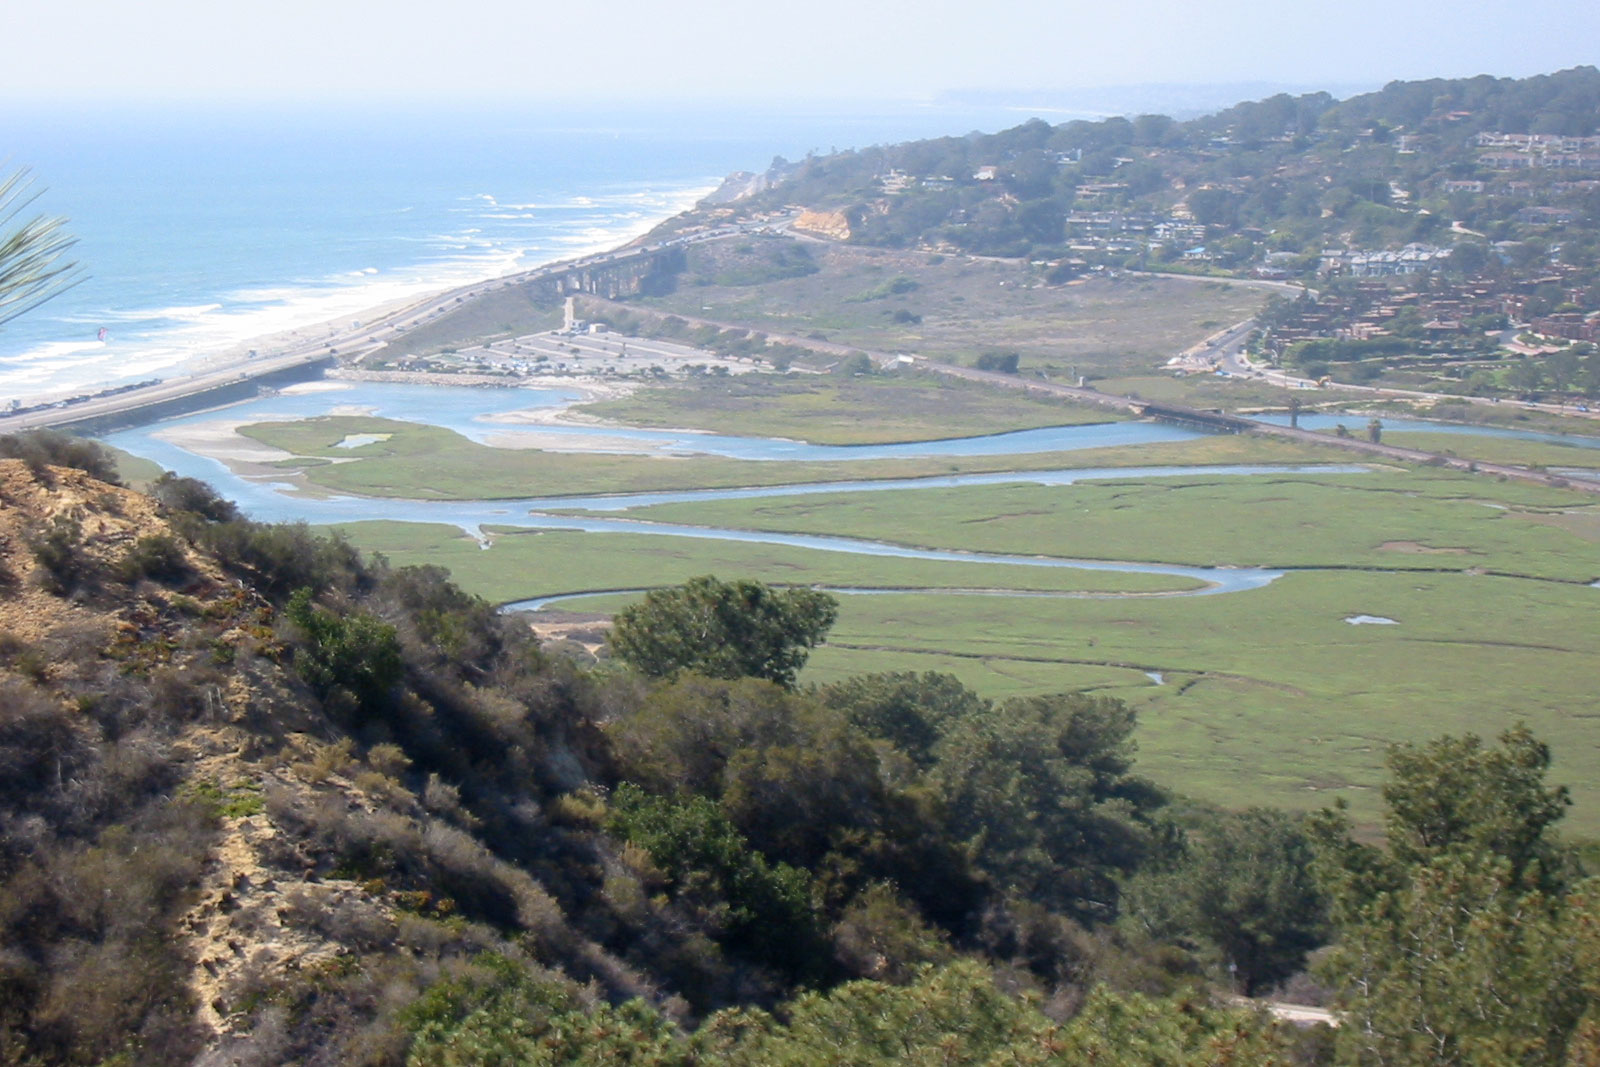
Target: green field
{"x":1497,"y":449}
{"x":841,"y":410}
{"x":429,"y":463}
{"x":134,"y":470}
{"x":1389,"y":519}
{"x":1269,"y":696}
{"x":524,"y":563}
{"x":1240,"y":395}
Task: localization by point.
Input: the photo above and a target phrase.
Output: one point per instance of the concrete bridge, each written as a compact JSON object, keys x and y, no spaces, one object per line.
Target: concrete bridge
{"x":1206,"y":420}
{"x":1217,"y":421}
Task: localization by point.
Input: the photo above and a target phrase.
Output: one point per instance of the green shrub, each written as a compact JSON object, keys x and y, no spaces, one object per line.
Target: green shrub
{"x":192,"y":496}
{"x":766,"y":910}
{"x":41,"y":449}
{"x":155,"y":556}
{"x":356,"y":655}
{"x":281,"y":558}
{"x":58,"y":549}
{"x":1001,"y":362}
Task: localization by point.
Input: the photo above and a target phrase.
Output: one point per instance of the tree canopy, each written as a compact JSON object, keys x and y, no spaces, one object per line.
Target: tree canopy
{"x":738,"y":629}
{"x":1462,"y":943}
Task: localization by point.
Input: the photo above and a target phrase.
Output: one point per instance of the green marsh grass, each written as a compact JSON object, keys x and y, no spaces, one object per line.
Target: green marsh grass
{"x":429,"y":463}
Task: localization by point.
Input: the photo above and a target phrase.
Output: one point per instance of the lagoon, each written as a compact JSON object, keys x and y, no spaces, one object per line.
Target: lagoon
{"x":479,"y":413}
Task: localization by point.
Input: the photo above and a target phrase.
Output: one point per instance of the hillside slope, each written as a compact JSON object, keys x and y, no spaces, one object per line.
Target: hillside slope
{"x":264,"y":802}
{"x":190,"y":837}
{"x":242,"y":824}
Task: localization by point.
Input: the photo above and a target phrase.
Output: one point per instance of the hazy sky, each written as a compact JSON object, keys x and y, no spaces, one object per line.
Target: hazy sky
{"x":756,"y":50}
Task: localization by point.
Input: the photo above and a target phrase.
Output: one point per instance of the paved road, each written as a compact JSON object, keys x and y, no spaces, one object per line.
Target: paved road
{"x":1242,"y":367}
{"x":1265,"y":284}
{"x":373,"y":332}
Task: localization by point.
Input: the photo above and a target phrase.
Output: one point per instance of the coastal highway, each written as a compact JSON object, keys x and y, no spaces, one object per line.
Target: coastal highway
{"x":313,"y":344}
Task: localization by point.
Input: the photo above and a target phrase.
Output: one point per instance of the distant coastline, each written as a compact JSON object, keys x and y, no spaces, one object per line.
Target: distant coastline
{"x":202,"y":244}
{"x":217,"y":378}
{"x":210,"y":231}
{"x":236,"y":337}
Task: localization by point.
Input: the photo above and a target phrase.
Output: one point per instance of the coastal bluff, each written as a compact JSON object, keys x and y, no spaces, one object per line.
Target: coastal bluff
{"x":831,"y":224}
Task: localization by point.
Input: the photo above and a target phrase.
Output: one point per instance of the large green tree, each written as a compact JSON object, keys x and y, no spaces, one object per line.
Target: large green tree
{"x":1457,"y":792}
{"x":802,"y":784}
{"x":1042,"y":790}
{"x":738,"y":629}
{"x":910,"y":711}
{"x":1241,"y":883}
{"x":1462,"y":942}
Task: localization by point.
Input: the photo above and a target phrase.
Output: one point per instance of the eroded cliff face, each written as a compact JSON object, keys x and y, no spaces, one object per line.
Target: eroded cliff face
{"x":744,"y":183}
{"x":737,"y":186}
{"x":834,"y":225}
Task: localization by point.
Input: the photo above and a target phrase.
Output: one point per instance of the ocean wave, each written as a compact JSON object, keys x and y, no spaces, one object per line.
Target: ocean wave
{"x":581,"y":203}
{"x":161,"y":341}
{"x":264,"y":295}
{"x":65,"y":367}
{"x":465,"y":239}
{"x":51,"y":350}
{"x":175,"y":313}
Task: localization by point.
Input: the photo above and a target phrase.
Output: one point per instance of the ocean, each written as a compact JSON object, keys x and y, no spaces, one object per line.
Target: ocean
{"x":202,"y":228}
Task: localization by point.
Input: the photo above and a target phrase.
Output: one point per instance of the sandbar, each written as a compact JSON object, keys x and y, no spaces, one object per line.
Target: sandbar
{"x":219,"y":439}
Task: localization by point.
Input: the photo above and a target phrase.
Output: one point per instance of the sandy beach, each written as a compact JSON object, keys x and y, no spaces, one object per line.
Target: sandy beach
{"x":350,"y":334}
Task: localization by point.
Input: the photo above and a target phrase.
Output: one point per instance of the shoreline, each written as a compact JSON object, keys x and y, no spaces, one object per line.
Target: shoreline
{"x":241,"y":364}
{"x":358,"y":321}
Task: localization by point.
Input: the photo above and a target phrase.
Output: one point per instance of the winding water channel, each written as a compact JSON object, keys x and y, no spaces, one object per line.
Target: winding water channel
{"x":482,"y":414}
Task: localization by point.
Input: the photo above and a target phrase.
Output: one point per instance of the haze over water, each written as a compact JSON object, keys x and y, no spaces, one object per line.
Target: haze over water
{"x":204,"y":229}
